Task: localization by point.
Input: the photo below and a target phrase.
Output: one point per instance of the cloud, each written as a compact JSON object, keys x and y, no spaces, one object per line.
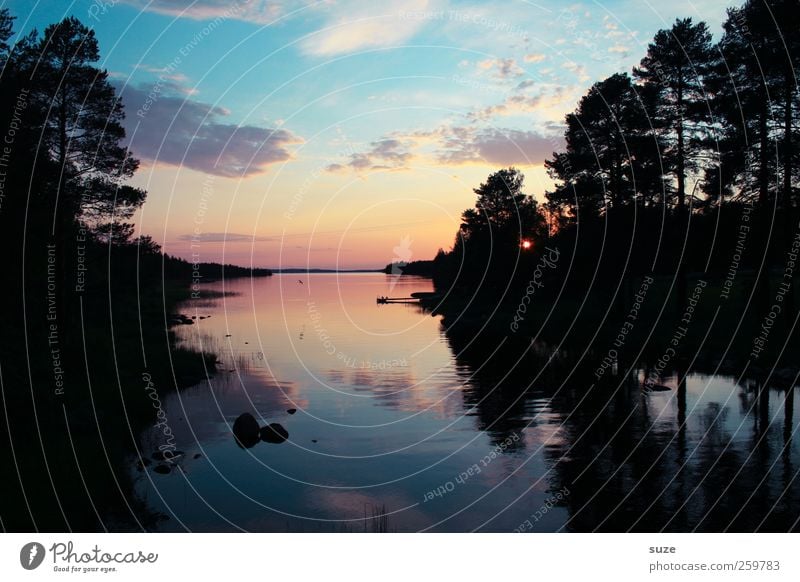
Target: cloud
{"x":578,"y":70}
{"x":534,"y":58}
{"x":214,"y":237}
{"x":256,"y":11}
{"x":167,"y":129}
{"x":496,"y":146}
{"x":620,"y":49}
{"x":322,"y":249}
{"x":520,"y":103}
{"x":456,"y":145}
{"x":385,"y":154}
{"x":163,"y":73}
{"x":503,"y":68}
{"x":367,"y":26}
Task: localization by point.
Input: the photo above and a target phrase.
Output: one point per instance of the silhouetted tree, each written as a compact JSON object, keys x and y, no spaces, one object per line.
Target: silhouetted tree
{"x":491,"y":234}
{"x":503,"y":214}
{"x":80,"y":163}
{"x":6,"y":30}
{"x":673,"y":70}
{"x":82,"y":129}
{"x":755,"y":99}
{"x":609,"y":156}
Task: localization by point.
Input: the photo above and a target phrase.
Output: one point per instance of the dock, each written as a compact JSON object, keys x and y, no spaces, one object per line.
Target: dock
{"x":414,"y":298}
{"x":383,"y":299}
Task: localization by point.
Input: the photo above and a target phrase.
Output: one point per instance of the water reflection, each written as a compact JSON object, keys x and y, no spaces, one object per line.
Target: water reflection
{"x":403,"y":425}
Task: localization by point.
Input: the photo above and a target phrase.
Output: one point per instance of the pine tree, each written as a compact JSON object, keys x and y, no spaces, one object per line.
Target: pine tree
{"x":609,"y":154}
{"x":674,"y":68}
{"x":82,"y":129}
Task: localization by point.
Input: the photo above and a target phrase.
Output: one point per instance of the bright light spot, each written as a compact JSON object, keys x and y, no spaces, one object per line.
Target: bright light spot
{"x":526,"y":244}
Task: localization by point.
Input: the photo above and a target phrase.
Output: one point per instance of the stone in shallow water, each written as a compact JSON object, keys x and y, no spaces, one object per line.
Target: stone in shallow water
{"x":245,"y":430}
{"x":166,"y":455}
{"x":162,"y":469}
{"x":274,"y":433}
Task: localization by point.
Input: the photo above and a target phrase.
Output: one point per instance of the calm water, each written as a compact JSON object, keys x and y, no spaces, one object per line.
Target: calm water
{"x":396,"y":419}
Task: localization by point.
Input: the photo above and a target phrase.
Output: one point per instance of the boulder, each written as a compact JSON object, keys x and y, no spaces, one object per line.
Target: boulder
{"x":245,"y":430}
{"x":274,"y":433}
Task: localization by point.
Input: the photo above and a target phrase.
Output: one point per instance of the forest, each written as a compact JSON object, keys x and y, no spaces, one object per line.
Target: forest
{"x":683,"y":170}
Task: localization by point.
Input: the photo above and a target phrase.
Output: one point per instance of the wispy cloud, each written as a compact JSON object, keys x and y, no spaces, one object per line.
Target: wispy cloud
{"x":495,"y":146}
{"x":257,"y":11}
{"x":352,"y":26}
{"x":339,"y":27}
{"x":455,"y":145}
{"x":534,"y":58}
{"x":385,"y":154}
{"x":576,"y":69}
{"x":520,"y":102}
{"x":215,"y":237}
{"x":163,"y":72}
{"x":506,"y":68}
{"x":167,"y":129}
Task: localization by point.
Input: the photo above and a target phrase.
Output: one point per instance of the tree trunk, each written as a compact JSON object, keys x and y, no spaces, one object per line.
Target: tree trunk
{"x":62,"y":226}
{"x":762,"y":277}
{"x":788,"y":203}
{"x":682,"y":222}
{"x":681,"y":162}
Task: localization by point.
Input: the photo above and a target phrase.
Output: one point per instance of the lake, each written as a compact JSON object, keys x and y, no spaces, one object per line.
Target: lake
{"x":399,"y":426}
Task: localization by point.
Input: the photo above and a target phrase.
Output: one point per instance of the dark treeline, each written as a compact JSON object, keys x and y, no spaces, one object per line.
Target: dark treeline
{"x":685,"y":170}
{"x":184,"y":270}
{"x":85,"y":304}
{"x":418,"y":268}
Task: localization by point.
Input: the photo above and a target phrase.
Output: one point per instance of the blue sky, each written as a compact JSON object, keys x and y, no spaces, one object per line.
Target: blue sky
{"x":328,"y":133}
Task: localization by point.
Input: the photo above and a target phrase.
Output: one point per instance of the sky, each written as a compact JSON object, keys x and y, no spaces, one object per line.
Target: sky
{"x":345,"y":134}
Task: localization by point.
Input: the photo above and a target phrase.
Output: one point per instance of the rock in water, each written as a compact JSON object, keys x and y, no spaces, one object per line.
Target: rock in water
{"x":274,"y":433}
{"x":245,"y":430}
{"x":292,"y":410}
{"x":162,"y":469}
{"x":166,"y":455}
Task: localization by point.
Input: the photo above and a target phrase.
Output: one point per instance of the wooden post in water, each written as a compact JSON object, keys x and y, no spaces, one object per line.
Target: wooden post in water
{"x":788,"y":418}
{"x":763,"y":406}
